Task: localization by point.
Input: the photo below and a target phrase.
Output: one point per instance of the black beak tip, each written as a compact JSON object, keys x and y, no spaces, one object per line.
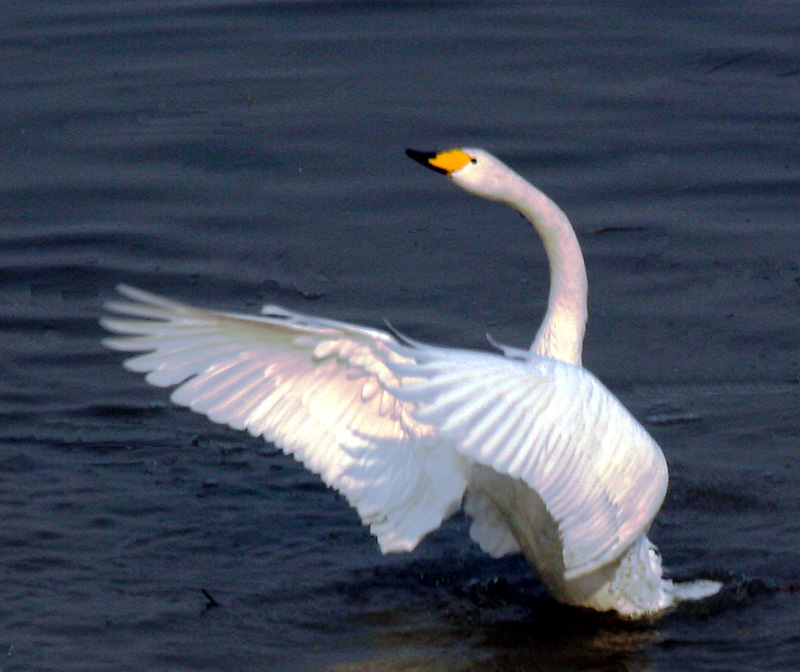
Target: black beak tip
{"x":421,"y":157}
{"x":424,"y":158}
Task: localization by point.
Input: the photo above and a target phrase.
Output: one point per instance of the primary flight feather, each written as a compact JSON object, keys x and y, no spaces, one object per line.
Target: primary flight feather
{"x":545,"y":459}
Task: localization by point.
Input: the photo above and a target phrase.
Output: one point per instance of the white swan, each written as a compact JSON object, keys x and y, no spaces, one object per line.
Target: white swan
{"x":547,"y":459}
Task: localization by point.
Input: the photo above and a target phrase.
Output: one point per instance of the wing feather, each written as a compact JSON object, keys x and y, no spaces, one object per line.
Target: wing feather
{"x":319,"y":389}
{"x":599,"y":473}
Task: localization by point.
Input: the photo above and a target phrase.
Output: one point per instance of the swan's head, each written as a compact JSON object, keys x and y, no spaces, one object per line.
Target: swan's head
{"x":475,"y":170}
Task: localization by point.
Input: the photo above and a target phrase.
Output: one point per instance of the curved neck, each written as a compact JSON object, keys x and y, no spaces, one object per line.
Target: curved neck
{"x":561,"y":334}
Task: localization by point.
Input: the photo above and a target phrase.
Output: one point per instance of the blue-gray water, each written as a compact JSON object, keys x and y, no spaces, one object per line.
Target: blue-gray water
{"x":234,"y":153}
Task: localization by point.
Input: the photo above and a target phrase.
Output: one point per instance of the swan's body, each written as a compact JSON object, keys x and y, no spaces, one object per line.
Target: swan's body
{"x":547,"y":459}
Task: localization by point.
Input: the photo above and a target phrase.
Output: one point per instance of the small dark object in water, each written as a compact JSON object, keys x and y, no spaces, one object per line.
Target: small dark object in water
{"x":210,"y":601}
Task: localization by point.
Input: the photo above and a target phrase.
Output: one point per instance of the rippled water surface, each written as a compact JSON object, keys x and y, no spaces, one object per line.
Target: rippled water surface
{"x":233,"y":153}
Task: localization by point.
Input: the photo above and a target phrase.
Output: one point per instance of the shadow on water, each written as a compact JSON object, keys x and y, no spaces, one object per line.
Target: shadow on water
{"x":549,"y":641}
{"x":429,"y":618}
{"x":490,"y":624}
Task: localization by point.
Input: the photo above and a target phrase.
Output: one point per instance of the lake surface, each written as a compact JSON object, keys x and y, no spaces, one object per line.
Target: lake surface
{"x":236,"y":153}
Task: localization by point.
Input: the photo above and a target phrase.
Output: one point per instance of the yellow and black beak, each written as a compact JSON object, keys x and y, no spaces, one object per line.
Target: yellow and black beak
{"x":445,"y":162}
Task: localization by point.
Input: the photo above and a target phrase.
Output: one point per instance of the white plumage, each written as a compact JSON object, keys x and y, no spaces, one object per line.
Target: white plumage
{"x":550,"y":462}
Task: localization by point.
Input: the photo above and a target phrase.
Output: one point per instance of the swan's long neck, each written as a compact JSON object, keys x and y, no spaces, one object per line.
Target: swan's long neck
{"x":564,"y":325}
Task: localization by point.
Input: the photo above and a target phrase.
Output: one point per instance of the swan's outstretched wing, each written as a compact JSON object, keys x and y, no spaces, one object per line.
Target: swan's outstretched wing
{"x":553,"y":426}
{"x":318,"y":389}
{"x":395,"y":427}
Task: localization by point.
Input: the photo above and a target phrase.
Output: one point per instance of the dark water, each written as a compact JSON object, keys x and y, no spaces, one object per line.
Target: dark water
{"x":240,"y":152}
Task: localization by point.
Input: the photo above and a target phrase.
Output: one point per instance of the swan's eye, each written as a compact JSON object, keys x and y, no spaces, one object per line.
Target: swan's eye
{"x":472,"y":159}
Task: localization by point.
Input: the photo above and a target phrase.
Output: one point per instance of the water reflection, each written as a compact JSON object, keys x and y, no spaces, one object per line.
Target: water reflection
{"x":548,"y":641}
{"x":494,"y":625}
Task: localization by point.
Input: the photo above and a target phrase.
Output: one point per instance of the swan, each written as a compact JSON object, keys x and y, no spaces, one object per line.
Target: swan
{"x":544,"y":459}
